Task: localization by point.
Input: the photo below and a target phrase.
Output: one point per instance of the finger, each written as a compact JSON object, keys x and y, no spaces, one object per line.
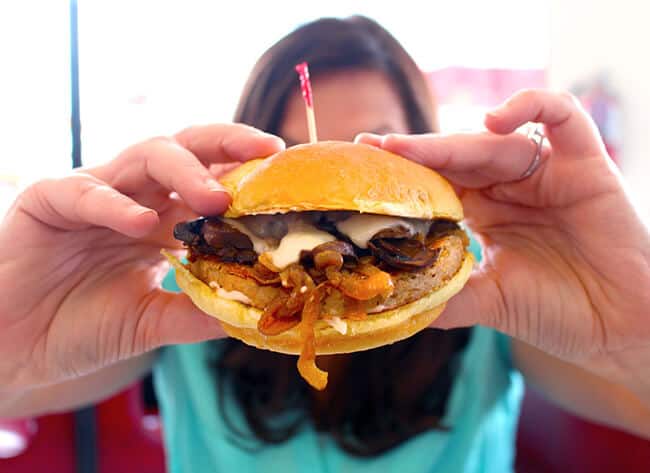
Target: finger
{"x":228,"y":142}
{"x":569,"y":127}
{"x":81,"y":201}
{"x":218,"y":170}
{"x":161,"y":162}
{"x":169,"y":318}
{"x":173,"y":211}
{"x":369,"y":138}
{"x":479,"y":302}
{"x":472,"y":160}
{"x":173,"y":164}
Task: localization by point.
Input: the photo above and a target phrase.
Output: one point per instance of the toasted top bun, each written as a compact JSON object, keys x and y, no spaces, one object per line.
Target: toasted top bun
{"x":333,"y":175}
{"x":240,"y":320}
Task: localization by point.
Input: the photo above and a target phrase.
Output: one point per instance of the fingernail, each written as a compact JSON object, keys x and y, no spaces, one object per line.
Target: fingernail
{"x":368,"y":138}
{"x":268,"y":136}
{"x":368,"y":135}
{"x":213,"y":185}
{"x":498,"y":110}
{"x":279,"y":142}
{"x":140,"y":211}
{"x":389,"y":137}
{"x":489,"y":116}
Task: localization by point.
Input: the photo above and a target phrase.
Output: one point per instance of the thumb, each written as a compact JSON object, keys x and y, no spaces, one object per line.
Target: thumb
{"x":480,"y":302}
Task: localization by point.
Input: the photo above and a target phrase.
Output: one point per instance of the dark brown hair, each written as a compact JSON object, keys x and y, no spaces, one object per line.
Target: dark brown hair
{"x":379,"y":398}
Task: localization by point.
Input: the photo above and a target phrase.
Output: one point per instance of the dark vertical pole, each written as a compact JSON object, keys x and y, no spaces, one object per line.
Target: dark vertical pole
{"x":85,"y":420}
{"x":85,"y":440}
{"x":75,"y":115}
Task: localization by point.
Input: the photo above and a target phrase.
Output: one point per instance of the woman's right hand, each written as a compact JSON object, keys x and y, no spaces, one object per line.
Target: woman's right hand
{"x":80,"y":263}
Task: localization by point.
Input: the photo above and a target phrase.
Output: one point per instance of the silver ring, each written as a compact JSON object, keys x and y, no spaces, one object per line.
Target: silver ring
{"x":537,"y":136}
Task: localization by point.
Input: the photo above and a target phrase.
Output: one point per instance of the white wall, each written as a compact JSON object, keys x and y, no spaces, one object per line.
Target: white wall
{"x":34,"y":93}
{"x":165,"y":65}
{"x":589,"y":37}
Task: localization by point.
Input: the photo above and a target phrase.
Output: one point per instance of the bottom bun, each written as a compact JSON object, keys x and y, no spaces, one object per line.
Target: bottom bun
{"x":331,"y":343}
{"x":240,"y":320}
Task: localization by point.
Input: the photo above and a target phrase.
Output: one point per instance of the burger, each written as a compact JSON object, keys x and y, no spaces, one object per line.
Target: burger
{"x":327,"y":248}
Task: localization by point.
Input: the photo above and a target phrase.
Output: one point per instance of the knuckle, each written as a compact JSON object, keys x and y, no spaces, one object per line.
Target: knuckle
{"x":528,"y":94}
{"x":568,"y":98}
{"x":241,"y":127}
{"x":191,"y":135}
{"x":142,"y":150}
{"x":36,"y":195}
{"x":156,"y":140}
{"x":40,"y":186}
{"x":89,"y":193}
{"x":85,"y":192}
{"x":145,"y":147}
{"x":186,"y":132}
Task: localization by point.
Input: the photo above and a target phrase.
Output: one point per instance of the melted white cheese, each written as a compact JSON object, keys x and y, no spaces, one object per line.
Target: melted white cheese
{"x":361,"y":228}
{"x":301,"y":236}
{"x":232,"y":295}
{"x":304,"y":236}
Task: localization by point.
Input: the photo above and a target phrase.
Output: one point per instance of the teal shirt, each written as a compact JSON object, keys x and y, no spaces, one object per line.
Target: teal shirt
{"x":482,"y":411}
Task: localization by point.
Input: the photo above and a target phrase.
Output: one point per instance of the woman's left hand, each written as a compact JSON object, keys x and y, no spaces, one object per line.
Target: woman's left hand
{"x":566,"y":259}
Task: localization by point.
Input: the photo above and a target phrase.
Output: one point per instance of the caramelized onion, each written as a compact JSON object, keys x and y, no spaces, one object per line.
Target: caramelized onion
{"x":275,"y":318}
{"x":327,"y":259}
{"x":307,"y":368}
{"x":258,"y":272}
{"x":354,"y":309}
{"x":265,"y":260}
{"x":368,"y":282}
{"x":270,"y":325}
{"x":296,"y":277}
{"x":283,"y":312}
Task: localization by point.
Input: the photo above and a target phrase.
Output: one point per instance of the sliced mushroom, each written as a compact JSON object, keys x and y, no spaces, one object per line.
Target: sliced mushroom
{"x":442,"y":227}
{"x":211,"y":236}
{"x":272,"y":227}
{"x":219,"y":234}
{"x":395,"y":232}
{"x":405,"y":254}
{"x":331,"y":253}
{"x":189,"y":232}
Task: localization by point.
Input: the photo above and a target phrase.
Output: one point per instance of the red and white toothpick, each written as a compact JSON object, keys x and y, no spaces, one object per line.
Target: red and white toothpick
{"x":305,"y":85}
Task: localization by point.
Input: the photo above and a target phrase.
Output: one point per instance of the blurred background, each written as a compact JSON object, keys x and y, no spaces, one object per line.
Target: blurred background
{"x":148,"y":68}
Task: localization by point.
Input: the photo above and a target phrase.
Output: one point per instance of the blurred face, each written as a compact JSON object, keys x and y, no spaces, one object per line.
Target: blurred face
{"x":346,"y":103}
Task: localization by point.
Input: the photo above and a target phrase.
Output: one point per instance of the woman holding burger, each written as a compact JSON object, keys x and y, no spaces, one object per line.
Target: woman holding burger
{"x":563,"y":284}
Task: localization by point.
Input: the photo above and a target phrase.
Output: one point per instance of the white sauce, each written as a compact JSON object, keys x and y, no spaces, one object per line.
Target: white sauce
{"x":337,"y":324}
{"x":361,"y":228}
{"x":232,"y":295}
{"x":301,"y":236}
